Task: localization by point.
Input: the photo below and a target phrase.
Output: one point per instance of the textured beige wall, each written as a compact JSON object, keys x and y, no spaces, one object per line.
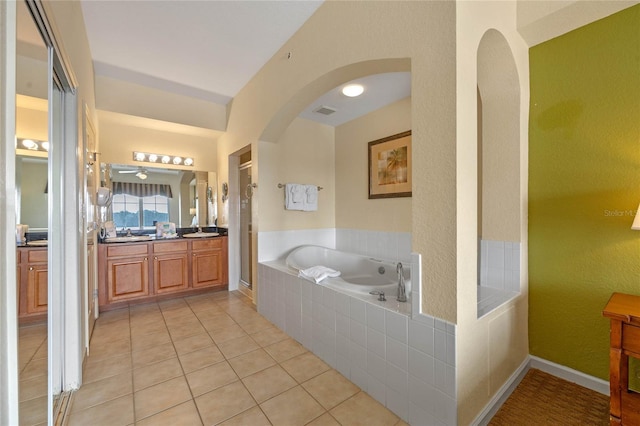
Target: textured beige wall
{"x":32,"y":124}
{"x":304,"y":154}
{"x":497,"y":81}
{"x":353,"y":207}
{"x":119,"y":138}
{"x":345,"y":40}
{"x":489,"y":349}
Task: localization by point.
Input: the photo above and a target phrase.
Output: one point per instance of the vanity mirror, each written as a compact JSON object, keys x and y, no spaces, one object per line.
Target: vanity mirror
{"x":142,"y":195}
{"x":31,"y":192}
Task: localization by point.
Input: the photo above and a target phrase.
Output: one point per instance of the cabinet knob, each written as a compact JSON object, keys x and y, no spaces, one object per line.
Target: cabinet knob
{"x":31,"y":268}
{"x":155,"y":258}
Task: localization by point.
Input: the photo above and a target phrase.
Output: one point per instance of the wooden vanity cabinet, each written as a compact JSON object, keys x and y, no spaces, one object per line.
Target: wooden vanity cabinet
{"x":140,"y":272}
{"x":127,"y":272}
{"x":209,"y":262}
{"x":32,"y":279}
{"x":170,"y":267}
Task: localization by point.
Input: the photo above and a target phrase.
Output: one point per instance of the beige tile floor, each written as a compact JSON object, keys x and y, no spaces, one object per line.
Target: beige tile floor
{"x":32,"y":374}
{"x":211,"y":359}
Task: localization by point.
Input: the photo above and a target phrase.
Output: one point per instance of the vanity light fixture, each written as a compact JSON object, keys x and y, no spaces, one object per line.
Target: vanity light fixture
{"x":636,"y":222}
{"x":34,"y":145}
{"x":353,"y":90}
{"x":164,"y":159}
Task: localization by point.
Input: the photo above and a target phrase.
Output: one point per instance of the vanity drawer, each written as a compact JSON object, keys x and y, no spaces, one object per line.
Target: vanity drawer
{"x":127,"y":250}
{"x":168,"y":247}
{"x":214,"y":243}
{"x":37,"y":256}
{"x":631,"y":338}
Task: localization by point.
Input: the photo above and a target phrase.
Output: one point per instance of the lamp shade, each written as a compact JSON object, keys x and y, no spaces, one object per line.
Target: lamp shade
{"x":636,"y":221}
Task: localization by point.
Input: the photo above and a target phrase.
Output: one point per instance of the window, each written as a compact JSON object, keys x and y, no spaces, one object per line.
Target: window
{"x":130,"y":211}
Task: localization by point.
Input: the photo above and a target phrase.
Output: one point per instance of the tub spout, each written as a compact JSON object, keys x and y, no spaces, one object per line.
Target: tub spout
{"x":402,"y":294}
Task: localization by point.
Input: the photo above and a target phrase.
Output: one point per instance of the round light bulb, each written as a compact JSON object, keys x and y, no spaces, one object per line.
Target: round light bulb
{"x":140,"y":156}
{"x":166,"y":159}
{"x":153,"y":158}
{"x":29,"y":144}
{"x":353,"y":90}
{"x":188,"y":161}
{"x":45,"y":146}
{"x":177,"y":160}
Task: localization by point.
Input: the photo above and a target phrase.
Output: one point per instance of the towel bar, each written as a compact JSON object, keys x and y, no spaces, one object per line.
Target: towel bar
{"x":282,"y":185}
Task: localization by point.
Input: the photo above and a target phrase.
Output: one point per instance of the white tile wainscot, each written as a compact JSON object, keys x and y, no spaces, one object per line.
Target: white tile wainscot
{"x":405,"y":363}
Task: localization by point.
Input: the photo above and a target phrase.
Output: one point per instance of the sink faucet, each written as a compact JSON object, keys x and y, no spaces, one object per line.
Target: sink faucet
{"x":128,"y":232}
{"x":402,"y":295}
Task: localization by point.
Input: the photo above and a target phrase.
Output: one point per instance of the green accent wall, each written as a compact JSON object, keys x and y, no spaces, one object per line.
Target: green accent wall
{"x":584,"y":187}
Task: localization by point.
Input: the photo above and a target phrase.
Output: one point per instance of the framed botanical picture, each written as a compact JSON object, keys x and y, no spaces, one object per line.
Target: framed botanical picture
{"x":390,"y":166}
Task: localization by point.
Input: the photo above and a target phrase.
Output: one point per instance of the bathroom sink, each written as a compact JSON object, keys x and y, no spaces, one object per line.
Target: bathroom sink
{"x":201,"y":235}
{"x":38,"y":243}
{"x":130,"y":239}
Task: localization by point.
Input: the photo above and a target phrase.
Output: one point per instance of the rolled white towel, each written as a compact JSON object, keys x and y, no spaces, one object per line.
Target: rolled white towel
{"x":318,"y":273}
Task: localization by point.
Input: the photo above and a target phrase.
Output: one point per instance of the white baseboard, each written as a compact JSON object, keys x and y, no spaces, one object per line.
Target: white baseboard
{"x":569,"y":374}
{"x":501,"y":396}
{"x":549,"y":367}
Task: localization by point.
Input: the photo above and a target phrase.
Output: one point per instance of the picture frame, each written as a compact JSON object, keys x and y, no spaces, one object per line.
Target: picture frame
{"x":390,"y":167}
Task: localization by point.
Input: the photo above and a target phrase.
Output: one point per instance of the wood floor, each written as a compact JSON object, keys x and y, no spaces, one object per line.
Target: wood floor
{"x":543,"y":399}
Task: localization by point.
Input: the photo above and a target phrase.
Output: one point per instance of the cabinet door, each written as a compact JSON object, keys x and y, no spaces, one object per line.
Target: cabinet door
{"x":207,"y":268}
{"x":170,"y":272}
{"x":37,"y":289}
{"x":127,"y":278}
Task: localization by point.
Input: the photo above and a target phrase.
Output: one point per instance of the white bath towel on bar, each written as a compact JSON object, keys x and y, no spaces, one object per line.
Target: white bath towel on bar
{"x":311,"y":198}
{"x":294,"y":196}
{"x":318,"y":273}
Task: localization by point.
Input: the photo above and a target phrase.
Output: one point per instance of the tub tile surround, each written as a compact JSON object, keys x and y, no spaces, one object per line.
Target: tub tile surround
{"x":499,"y":264}
{"x":405,"y":361}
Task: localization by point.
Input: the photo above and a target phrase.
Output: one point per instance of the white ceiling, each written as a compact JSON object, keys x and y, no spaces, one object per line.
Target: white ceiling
{"x":207,"y":49}
{"x":210,"y":49}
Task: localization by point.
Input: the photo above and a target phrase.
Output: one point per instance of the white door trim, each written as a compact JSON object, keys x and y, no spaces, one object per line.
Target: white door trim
{"x":9,"y":406}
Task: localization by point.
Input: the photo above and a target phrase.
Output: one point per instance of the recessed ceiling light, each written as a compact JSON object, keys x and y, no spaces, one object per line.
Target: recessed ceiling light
{"x":352,"y":90}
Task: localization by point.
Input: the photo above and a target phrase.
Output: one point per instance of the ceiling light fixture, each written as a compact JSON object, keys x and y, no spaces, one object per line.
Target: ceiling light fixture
{"x":353,"y":90}
{"x":164,"y":159}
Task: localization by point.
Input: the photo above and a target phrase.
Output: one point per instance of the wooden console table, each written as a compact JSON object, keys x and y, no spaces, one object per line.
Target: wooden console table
{"x":624,"y":312}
